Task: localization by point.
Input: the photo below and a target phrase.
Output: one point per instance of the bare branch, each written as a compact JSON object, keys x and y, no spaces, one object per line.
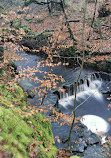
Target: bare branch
{"x":72,"y":21}
{"x":43,"y":31}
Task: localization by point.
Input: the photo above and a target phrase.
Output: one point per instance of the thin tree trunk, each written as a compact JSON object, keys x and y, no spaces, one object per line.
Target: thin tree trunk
{"x":92,"y":20}
{"x":74,"y":111}
{"x":67,"y":23}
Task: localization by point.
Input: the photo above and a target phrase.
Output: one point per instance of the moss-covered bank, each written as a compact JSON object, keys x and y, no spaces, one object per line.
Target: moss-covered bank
{"x":23,"y":131}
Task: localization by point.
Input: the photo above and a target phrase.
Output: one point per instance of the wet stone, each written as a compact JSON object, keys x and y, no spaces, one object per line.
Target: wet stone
{"x":95,"y":151}
{"x":64,"y":139}
{"x":92,"y":139}
{"x":78,"y":146}
{"x":86,"y":135}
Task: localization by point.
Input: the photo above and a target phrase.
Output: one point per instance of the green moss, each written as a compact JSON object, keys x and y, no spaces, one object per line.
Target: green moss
{"x":44,"y":134}
{"x":5,"y":13}
{"x":16,"y":97}
{"x":21,"y":133}
{"x":15,"y":133}
{"x":73,"y":10}
{"x":68,"y":51}
{"x":19,"y":25}
{"x":16,"y":25}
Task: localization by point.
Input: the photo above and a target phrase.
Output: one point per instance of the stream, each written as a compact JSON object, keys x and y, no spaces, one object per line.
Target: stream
{"x":96,"y":104}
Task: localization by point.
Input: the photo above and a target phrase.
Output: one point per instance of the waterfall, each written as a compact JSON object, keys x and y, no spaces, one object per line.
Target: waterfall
{"x":89,"y":85}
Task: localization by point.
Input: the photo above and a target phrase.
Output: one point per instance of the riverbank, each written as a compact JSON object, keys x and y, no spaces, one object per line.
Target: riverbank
{"x":24,"y":132}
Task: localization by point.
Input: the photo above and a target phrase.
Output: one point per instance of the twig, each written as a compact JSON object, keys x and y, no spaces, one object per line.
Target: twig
{"x":44,"y":97}
{"x":83,"y":102}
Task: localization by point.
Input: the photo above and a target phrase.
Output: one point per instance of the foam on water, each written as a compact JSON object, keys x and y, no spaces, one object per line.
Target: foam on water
{"x":83,"y":92}
{"x":96,"y":124}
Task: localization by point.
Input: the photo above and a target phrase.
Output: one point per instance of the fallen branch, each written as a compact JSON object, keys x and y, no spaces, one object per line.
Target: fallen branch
{"x":105,"y":25}
{"x":43,"y":31}
{"x":40,"y":3}
{"x":72,"y":21}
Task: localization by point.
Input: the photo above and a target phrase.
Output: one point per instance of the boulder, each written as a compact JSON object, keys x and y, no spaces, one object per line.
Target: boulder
{"x":95,"y":151}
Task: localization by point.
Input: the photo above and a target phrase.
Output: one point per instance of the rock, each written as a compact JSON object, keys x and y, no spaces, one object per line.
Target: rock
{"x":30,"y":93}
{"x":86,"y":135}
{"x":92,"y":139}
{"x":64,"y":139}
{"x":78,"y":146}
{"x":105,"y":65}
{"x":95,"y":151}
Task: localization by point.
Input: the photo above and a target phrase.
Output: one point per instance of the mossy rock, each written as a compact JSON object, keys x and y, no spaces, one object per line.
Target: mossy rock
{"x":17,"y":135}
{"x":44,"y":135}
{"x":105,"y":66}
{"x":91,"y":65}
{"x":8,"y":97}
{"x":20,"y":133}
{"x":68,"y":52}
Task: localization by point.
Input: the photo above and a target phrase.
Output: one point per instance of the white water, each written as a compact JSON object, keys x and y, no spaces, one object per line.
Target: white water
{"x":83,"y":92}
{"x":90,"y":88}
{"x":96,"y":124}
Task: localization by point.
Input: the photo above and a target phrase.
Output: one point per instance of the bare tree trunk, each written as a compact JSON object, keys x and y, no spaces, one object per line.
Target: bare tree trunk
{"x":92,"y":20}
{"x":67,"y":22}
{"x":74,"y":111}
